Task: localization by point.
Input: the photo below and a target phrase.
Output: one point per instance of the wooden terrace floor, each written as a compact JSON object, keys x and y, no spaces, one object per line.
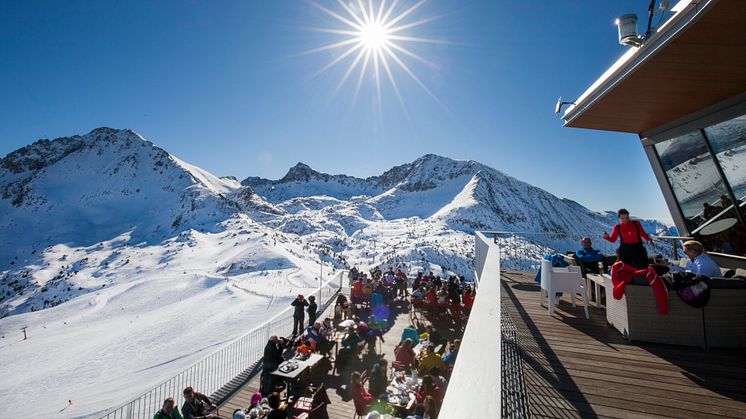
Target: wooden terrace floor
{"x":574,"y":367}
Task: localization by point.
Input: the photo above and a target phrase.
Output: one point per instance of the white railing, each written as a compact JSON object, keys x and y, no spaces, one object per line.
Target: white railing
{"x":213,"y":372}
{"x":474,"y":388}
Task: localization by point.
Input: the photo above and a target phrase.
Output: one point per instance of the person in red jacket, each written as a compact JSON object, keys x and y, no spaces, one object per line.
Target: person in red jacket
{"x":360,"y":397}
{"x":630,"y":234}
{"x":428,"y":388}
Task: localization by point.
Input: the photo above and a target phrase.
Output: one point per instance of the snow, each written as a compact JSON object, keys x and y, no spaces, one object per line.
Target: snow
{"x":128,"y":265}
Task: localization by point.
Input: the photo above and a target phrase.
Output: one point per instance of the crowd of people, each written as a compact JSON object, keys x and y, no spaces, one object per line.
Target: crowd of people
{"x":347,"y":345}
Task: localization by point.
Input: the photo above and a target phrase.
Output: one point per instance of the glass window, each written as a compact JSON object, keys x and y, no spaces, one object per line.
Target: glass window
{"x":699,"y":189}
{"x":728,"y":140}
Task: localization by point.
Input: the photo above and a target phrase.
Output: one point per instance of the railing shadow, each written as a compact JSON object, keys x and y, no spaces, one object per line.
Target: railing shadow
{"x":555,"y":375}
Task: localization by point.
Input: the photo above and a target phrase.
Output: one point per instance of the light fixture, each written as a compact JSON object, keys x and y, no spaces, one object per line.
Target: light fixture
{"x":560,"y":104}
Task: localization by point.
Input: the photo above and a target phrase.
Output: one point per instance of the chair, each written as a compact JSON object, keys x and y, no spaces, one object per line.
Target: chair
{"x":556,"y":280}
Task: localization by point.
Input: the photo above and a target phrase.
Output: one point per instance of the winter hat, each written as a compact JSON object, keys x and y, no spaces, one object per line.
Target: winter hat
{"x":256,"y":398}
{"x":239,"y":414}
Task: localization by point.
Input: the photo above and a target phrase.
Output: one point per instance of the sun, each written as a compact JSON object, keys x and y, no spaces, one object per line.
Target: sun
{"x":375,"y":43}
{"x":374,"y":36}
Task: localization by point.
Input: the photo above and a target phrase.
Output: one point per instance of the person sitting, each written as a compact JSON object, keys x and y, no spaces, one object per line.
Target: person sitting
{"x":317,"y":340}
{"x":589,"y":257}
{"x":450,"y":358}
{"x":438,"y":379}
{"x":276,"y":407}
{"x":357,"y":292}
{"x":196,"y":405}
{"x":168,"y":411}
{"x":418,"y":293}
{"x":378,"y":378}
{"x":431,"y":408}
{"x":342,"y":307}
{"x":699,"y":263}
{"x":405,"y":356}
{"x":327,"y":327}
{"x":360,"y":397}
{"x":419,"y":412}
{"x":430,"y":359}
{"x":434,"y":336}
{"x":430,"y":296}
{"x":410,"y":333}
{"x":468,"y":300}
{"x":352,"y":341}
{"x":255,"y":410}
{"x":442,"y":295}
{"x":428,"y":388}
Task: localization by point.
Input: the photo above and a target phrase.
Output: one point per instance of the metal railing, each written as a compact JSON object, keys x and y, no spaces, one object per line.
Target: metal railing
{"x":216,"y":370}
{"x":523,"y":251}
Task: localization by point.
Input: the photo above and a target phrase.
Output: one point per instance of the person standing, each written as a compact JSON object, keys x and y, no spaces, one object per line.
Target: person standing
{"x":299,"y":305}
{"x":631,"y":235}
{"x":312,"y":310}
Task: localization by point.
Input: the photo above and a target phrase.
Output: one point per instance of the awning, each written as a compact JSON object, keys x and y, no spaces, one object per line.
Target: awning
{"x":697,"y":59}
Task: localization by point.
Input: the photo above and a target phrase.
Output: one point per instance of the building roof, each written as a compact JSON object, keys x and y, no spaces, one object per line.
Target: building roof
{"x":696,"y":59}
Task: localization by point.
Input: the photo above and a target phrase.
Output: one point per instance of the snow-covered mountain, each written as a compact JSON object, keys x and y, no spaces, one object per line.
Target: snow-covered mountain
{"x":127,"y":265}
{"x":464,"y":195}
{"x":109,"y":245}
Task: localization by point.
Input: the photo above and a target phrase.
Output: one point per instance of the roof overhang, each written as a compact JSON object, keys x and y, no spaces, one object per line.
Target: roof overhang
{"x":695,"y":60}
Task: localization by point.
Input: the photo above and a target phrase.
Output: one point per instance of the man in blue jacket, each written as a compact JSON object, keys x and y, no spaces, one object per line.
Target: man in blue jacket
{"x":590,"y":256}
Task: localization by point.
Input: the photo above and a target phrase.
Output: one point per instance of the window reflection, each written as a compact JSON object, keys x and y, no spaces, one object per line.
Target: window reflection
{"x":699,"y":188}
{"x":728,"y":140}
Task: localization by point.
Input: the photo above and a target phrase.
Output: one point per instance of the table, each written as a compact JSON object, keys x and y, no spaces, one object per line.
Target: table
{"x":303,"y":365}
{"x":718,"y":226}
{"x":599,"y":280}
{"x":402,"y":389}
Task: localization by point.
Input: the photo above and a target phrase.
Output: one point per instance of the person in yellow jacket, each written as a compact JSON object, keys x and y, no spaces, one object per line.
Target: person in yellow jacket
{"x":430,"y":359}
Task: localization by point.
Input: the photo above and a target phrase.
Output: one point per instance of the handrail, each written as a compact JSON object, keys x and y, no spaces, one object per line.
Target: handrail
{"x":523,"y":250}
{"x":215,"y":370}
{"x":476,"y":375}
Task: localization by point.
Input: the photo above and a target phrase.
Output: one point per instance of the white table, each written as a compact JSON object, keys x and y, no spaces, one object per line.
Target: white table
{"x":303,"y":365}
{"x":599,"y":280}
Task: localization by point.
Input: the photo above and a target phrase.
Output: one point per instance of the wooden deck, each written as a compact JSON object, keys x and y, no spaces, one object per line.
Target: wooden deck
{"x":574,"y":367}
{"x":341,"y":403}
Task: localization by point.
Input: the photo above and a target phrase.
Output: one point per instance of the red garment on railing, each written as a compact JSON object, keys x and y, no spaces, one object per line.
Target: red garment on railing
{"x":621,"y":275}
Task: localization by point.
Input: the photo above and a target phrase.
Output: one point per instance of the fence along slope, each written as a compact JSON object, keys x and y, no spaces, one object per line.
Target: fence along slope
{"x":214,"y":371}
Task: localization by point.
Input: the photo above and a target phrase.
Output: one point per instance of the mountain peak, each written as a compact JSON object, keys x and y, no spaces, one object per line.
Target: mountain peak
{"x":301,"y":172}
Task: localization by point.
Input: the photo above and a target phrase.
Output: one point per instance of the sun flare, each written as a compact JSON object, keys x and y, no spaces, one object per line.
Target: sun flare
{"x":375,"y":43}
{"x":374,"y":36}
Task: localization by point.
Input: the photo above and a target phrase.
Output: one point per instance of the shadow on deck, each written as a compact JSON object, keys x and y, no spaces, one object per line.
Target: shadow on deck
{"x":577,"y":367}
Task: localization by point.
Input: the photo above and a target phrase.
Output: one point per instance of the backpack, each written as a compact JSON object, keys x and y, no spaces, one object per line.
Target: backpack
{"x":693,"y":289}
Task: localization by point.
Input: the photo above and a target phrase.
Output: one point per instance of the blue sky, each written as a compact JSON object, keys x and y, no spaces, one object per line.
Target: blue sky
{"x":227,"y":86}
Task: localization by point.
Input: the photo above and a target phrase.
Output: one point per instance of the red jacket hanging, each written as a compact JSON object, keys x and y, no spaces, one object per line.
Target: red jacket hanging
{"x":621,"y":275}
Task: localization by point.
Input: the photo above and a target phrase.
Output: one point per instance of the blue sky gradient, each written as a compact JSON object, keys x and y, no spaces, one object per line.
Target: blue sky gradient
{"x":225,"y":85}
